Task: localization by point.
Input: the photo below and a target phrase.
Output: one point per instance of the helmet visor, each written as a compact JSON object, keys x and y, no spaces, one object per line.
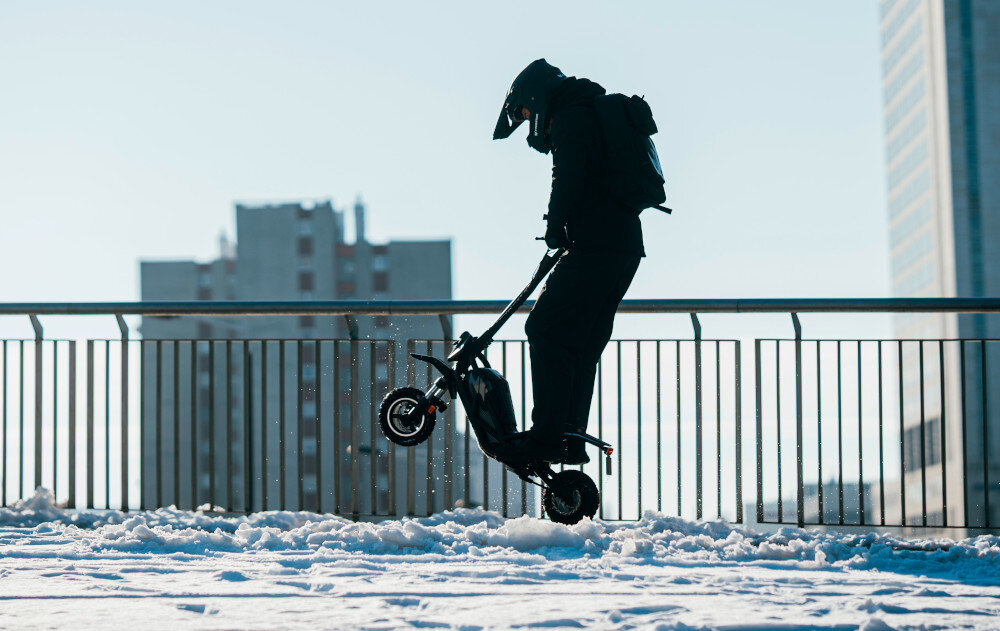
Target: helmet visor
{"x":507,"y":122}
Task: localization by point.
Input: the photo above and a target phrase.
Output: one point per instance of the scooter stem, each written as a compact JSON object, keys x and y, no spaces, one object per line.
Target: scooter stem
{"x":546,"y":265}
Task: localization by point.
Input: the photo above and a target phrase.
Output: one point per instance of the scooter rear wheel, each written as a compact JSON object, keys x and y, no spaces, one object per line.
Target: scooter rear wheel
{"x":571,"y":496}
{"x":393,"y":422}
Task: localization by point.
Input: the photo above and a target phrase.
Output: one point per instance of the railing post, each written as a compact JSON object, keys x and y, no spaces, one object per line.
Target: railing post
{"x":800,"y":485}
{"x":37,"y":326}
{"x":123,"y":328}
{"x":698,"y":414}
{"x":352,"y":331}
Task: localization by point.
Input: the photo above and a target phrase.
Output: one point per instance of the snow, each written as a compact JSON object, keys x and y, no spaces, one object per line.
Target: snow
{"x":473,"y":569}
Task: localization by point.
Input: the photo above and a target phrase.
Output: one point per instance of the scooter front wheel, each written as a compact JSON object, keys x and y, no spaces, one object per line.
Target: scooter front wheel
{"x":570,"y":496}
{"x":396,"y":422}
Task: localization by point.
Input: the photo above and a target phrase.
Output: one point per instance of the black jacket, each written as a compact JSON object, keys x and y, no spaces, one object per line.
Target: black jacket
{"x":594,"y":222}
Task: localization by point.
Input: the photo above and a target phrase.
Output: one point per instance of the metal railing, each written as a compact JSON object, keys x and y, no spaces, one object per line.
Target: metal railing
{"x":251,"y":424}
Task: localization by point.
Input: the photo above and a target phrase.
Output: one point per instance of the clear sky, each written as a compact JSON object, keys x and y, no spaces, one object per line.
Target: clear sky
{"x":127,"y":131}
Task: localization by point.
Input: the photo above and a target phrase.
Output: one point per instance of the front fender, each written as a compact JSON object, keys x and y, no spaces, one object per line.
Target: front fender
{"x":450,"y":377}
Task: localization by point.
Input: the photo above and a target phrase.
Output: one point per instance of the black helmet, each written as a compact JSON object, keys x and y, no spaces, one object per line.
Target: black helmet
{"x":531,"y":89}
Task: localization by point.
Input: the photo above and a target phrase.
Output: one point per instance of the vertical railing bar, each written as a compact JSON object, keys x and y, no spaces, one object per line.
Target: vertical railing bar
{"x":177,"y":424}
{"x":503,"y":479}
{"x":3,"y":438}
{"x":71,"y":412}
{"x":944,"y":469}
{"x":759,"y":431}
{"x":372,"y":430}
{"x":467,"y":490}
{"x":355,"y":430}
{"x":738,"y":418}
{"x":449,"y":440}
{"x":840,"y":436}
{"x":283,"y":505}
{"x":699,"y":465}
{"x":430,"y":450}
{"x":677,"y":444}
{"x":55,"y":420}
{"x":600,"y":429}
{"x":718,"y":432}
{"x":107,"y":423}
{"x":143,"y":463}
{"x":638,"y":426}
{"x":193,"y":423}
{"x":902,"y":446}
{"x":659,"y":436}
{"x":819,"y":431}
{"x":299,"y":426}
{"x":90,"y":423}
{"x":861,"y":451}
{"x":524,"y":408}
{"x":618,"y":368}
{"x":965,"y":440}
{"x":20,"y":420}
{"x":318,"y":421}
{"x":229,"y":425}
{"x":391,"y":446}
{"x":211,"y":425}
{"x":38,"y":404}
{"x":986,"y":439}
{"x":777,"y":409}
{"x":411,"y":466}
{"x":265,"y":425}
{"x":247,"y":429}
{"x":336,"y":390}
{"x":923,"y":441}
{"x":881,"y":440}
{"x":158,"y":402}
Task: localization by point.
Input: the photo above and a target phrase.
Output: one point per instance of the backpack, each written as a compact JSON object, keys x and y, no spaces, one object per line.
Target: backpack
{"x":632,"y":172}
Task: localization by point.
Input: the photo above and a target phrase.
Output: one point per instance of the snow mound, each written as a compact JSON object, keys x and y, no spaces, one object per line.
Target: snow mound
{"x":655,"y":539}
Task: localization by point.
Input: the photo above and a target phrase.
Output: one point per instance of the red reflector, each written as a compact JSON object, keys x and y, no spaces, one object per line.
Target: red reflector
{"x":431,"y":409}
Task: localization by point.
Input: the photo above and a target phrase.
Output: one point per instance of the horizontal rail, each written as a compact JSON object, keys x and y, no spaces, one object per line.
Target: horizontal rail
{"x":436,"y":307}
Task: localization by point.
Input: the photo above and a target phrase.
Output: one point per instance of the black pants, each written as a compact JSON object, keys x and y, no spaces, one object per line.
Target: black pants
{"x":567,"y":330}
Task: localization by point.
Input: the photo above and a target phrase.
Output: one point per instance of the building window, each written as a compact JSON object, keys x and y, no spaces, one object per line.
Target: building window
{"x":305,"y":228}
{"x":346,"y":289}
{"x":380,"y":282}
{"x":380,"y":263}
{"x":381,"y":322}
{"x":932,"y":445}
{"x":305,"y":246}
{"x":307,"y":321}
{"x":204,"y":332}
{"x":306,"y":281}
{"x":204,"y":293}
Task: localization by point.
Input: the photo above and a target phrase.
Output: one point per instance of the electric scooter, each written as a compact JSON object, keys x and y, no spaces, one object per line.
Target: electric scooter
{"x":407,"y":415}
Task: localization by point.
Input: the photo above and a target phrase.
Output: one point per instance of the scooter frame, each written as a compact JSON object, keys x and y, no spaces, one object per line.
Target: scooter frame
{"x":470,"y":351}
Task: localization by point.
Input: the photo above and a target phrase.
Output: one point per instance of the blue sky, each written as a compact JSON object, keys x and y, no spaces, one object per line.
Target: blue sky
{"x":127,"y":131}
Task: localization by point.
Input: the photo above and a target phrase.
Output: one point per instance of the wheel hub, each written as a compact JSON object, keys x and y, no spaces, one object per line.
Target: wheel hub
{"x":399,"y":416}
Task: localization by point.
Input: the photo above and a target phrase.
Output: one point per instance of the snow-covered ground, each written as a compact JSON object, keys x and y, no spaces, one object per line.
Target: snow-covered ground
{"x":471,"y":569}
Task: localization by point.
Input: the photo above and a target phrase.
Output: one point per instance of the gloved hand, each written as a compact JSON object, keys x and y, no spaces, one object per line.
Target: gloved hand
{"x":555,"y":236}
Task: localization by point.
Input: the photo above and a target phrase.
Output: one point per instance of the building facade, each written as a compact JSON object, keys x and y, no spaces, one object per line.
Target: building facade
{"x":289,"y":381}
{"x":941,"y":97}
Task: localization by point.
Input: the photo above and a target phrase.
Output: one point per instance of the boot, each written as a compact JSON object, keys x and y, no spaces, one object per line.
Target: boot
{"x":533,"y":445}
{"x":576,"y":452}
